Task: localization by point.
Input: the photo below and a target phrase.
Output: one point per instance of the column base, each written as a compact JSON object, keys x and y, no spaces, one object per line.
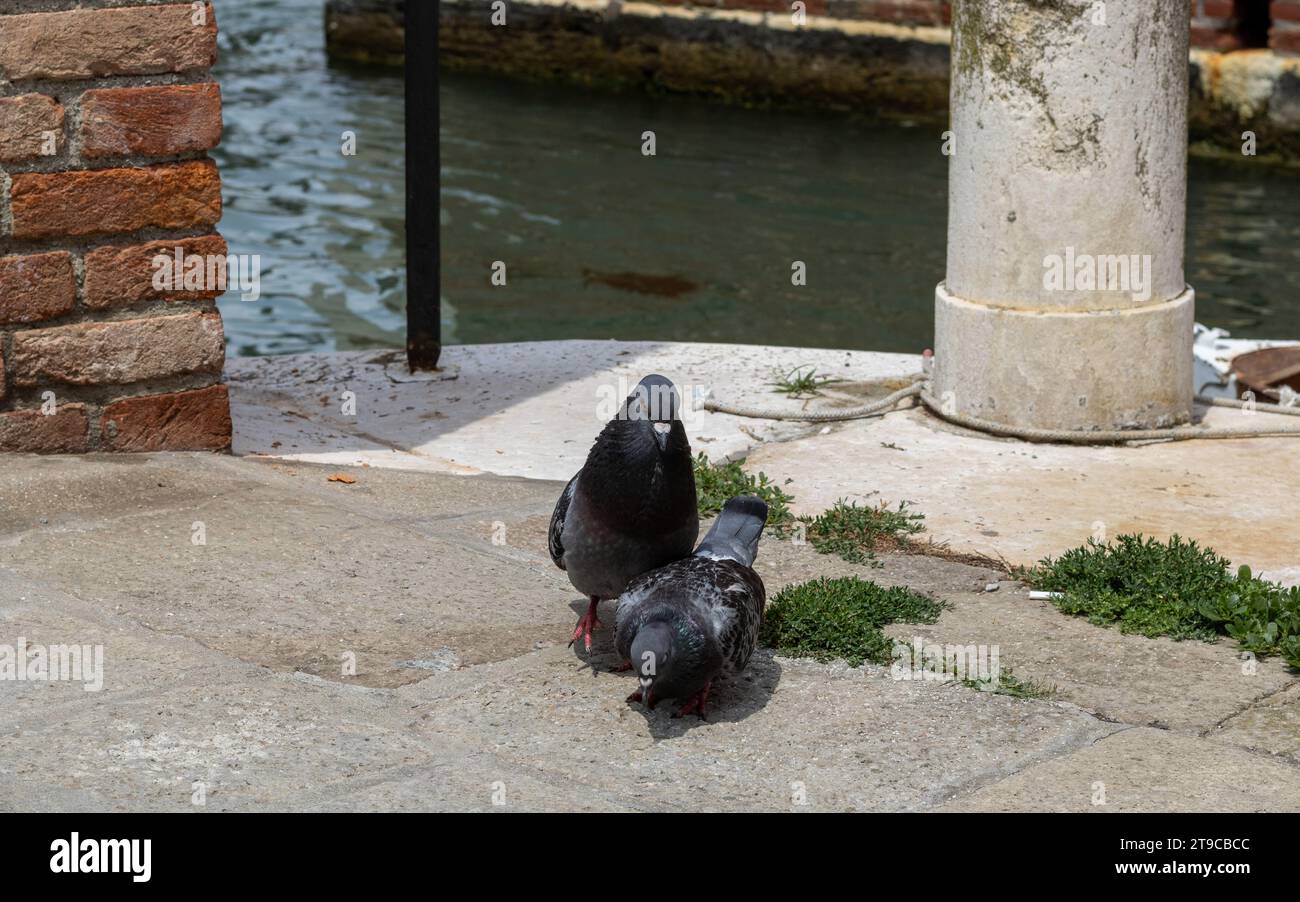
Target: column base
{"x":1109,"y":369}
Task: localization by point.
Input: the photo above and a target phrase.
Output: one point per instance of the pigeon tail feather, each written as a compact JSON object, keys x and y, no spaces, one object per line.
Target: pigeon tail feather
{"x":734,"y":535}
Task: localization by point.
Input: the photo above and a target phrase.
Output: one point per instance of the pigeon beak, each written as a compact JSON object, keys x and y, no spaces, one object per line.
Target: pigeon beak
{"x":648,"y":698}
{"x":662,"y":431}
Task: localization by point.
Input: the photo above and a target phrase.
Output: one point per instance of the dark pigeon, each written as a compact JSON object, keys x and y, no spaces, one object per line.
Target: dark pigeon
{"x":683,"y":624}
{"x":631,"y":508}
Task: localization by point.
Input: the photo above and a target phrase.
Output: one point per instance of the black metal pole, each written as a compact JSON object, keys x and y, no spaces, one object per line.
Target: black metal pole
{"x":423,"y":321}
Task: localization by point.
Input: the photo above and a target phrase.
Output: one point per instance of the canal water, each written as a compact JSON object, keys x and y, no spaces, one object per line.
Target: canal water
{"x":599,"y":240}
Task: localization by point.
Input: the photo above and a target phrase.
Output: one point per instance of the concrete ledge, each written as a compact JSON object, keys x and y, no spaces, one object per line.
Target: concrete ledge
{"x":1128,"y":352}
{"x":527,"y":409}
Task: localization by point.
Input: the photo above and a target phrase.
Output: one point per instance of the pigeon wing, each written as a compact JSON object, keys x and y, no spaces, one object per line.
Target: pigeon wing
{"x":742,"y":595}
{"x":556,"y":531}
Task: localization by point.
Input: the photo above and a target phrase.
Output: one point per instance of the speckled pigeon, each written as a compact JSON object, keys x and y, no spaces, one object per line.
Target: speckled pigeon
{"x":631,"y":508}
{"x":683,"y":624}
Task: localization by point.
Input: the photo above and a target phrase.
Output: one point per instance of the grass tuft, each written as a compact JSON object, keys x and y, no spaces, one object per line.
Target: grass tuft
{"x":857,"y":533}
{"x":801,"y":382}
{"x":826,"y":619}
{"x":1007,"y":683}
{"x":1176,"y":589}
{"x":715,"y":483}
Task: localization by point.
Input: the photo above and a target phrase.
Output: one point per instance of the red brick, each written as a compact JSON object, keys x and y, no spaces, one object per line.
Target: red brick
{"x":63,"y":432}
{"x":26,"y":123}
{"x":1284,"y":39}
{"x":1214,"y":9}
{"x":117,"y":276}
{"x":182,"y":421}
{"x":61,"y":204}
{"x":1215,"y":37}
{"x":36,"y":287}
{"x":898,"y":12}
{"x":1285,"y":10}
{"x":92,"y":43}
{"x":118,"y":352}
{"x":153,"y":121}
{"x":2,"y":367}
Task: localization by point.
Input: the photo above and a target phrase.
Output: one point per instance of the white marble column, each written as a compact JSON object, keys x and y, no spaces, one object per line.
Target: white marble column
{"x":1065,"y":305}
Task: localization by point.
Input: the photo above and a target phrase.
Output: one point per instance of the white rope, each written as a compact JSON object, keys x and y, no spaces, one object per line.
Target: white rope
{"x":824,"y":414}
{"x":1067,"y":436}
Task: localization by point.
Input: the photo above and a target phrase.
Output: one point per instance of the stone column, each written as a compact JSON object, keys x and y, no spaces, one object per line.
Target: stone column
{"x":1065,"y":305}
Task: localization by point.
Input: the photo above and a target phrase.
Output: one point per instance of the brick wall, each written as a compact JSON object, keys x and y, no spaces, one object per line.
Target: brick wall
{"x":1284,"y":36}
{"x":107,"y":111}
{"x":1213,"y":25}
{"x":1230,"y":24}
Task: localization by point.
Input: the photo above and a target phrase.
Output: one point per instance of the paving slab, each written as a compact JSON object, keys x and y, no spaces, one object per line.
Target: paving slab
{"x":223,"y":662}
{"x":172,"y":713}
{"x":294,"y":572}
{"x":1144,"y":769}
{"x":1270,"y":725}
{"x":786,"y":735}
{"x":1189,"y":685}
{"x":131,"y":657}
{"x":212,"y":654}
{"x":1117,"y":677}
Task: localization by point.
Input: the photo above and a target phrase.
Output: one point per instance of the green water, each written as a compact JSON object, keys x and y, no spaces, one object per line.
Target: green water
{"x":552,"y":182}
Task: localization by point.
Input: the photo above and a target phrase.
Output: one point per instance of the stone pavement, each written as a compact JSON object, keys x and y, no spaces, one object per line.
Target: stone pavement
{"x":225,"y":668}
